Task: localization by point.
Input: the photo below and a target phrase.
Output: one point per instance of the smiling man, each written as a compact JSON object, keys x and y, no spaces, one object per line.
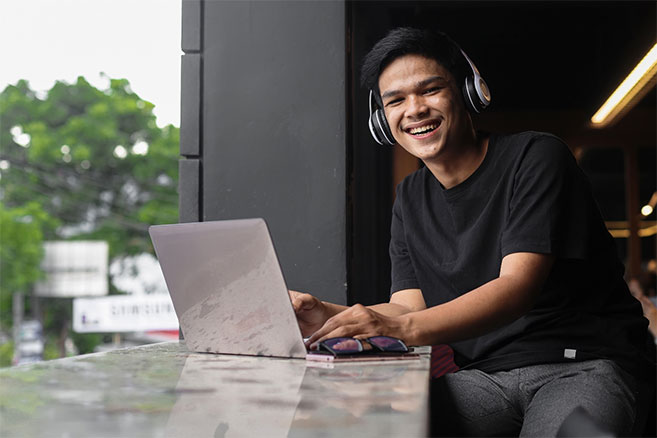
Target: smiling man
{"x":498,"y":249}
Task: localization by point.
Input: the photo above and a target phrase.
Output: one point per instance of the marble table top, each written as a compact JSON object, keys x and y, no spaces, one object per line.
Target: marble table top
{"x":164,"y":390}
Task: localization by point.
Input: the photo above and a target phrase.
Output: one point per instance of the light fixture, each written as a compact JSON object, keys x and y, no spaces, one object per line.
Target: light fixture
{"x":628,"y":93}
{"x":647,"y":209}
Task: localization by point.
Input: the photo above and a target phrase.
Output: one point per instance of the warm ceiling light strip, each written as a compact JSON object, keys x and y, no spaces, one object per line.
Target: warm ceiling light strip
{"x":646,"y":232}
{"x":634,"y":85}
{"x":643,"y":232}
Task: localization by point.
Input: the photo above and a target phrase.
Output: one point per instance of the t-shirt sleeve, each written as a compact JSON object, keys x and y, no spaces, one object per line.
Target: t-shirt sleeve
{"x":402,"y":271}
{"x":549,"y":208}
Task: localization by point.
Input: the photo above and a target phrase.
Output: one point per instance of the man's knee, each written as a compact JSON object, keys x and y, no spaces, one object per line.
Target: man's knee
{"x":599,"y":388}
{"x":470,"y":404}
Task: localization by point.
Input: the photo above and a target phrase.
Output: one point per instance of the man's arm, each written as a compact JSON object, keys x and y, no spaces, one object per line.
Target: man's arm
{"x":486,"y":308}
{"x":490,"y":306}
{"x":401,"y":302}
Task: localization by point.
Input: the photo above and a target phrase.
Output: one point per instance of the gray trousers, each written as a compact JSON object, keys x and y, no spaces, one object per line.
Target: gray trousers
{"x":533,"y":400}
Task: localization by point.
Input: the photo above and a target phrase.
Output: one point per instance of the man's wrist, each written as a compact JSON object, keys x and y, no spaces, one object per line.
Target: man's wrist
{"x":408,"y":330}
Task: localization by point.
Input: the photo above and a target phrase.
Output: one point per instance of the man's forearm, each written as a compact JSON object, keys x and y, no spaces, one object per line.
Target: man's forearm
{"x":470,"y":315}
{"x":486,"y":308}
{"x":388,"y":309}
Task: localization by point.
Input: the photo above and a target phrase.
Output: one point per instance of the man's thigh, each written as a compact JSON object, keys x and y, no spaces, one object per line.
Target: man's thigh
{"x":552,"y":392}
{"x":473,"y":403}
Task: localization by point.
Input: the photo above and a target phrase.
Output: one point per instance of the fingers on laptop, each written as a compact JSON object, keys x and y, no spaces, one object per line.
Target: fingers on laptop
{"x":358,"y":321}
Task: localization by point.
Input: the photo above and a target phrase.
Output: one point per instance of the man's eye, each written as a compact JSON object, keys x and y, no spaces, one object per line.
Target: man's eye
{"x":432,"y":90}
{"x":393,"y":102}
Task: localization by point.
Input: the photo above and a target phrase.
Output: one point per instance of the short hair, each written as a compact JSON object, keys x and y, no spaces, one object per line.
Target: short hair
{"x":403,"y":41}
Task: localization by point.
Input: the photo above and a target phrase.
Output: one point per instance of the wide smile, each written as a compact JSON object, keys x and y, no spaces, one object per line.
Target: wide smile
{"x":423,"y":130}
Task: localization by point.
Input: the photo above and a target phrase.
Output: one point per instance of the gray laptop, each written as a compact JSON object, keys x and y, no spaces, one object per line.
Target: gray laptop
{"x":227,"y":288}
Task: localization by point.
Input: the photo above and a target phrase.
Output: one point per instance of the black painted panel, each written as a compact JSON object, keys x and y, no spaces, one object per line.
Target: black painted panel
{"x":188,"y":189}
{"x":190,"y":105}
{"x":191,"y":26}
{"x":274,"y":131}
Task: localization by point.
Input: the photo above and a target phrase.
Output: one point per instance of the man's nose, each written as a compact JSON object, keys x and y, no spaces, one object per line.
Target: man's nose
{"x":417,"y":107}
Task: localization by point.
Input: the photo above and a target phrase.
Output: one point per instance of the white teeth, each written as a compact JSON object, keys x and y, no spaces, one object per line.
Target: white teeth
{"x":422,"y":129}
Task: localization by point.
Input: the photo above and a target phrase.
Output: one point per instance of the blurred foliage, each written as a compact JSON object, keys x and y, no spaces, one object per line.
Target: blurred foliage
{"x":79,"y":163}
{"x":50,"y":349}
{"x":86,"y":342}
{"x":22,"y":230}
{"x":6,"y":353}
{"x":71,"y":166}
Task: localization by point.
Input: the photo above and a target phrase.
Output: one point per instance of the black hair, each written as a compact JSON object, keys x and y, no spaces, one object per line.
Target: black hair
{"x":403,"y":41}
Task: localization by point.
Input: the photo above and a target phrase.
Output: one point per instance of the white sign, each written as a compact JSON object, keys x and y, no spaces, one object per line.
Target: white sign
{"x":124,"y":313}
{"x":74,"y":269}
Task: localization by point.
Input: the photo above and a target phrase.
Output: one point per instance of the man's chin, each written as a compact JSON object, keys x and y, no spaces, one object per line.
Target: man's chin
{"x":426,"y":152}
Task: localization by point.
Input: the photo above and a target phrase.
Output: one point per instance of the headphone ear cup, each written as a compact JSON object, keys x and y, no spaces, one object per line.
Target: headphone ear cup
{"x":378,"y":124}
{"x":477,"y":100}
{"x":380,"y":129}
{"x":385,"y":128}
{"x":470,"y":95}
{"x":475,"y":90}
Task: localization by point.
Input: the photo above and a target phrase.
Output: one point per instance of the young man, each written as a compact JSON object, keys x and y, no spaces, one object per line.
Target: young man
{"x":497,"y":249}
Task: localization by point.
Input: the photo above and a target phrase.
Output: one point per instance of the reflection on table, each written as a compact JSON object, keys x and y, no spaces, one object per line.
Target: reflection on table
{"x":163,"y":390}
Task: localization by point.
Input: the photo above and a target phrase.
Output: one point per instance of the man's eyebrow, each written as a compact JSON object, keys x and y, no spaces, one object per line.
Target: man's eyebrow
{"x":420,"y":84}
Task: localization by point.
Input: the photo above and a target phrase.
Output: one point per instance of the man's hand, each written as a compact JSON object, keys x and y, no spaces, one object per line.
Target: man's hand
{"x":311,"y":312}
{"x":359,"y":322}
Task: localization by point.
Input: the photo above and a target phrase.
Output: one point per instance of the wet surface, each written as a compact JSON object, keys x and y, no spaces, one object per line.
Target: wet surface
{"x":164,"y":390}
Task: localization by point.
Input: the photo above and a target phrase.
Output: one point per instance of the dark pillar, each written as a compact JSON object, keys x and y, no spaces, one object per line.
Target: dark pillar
{"x":269,"y":139}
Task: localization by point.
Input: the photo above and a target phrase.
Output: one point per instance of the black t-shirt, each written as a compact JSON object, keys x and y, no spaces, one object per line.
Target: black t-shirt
{"x":528,"y":195}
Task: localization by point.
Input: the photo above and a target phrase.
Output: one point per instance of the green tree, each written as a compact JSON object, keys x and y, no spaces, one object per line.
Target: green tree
{"x":94,"y":160}
{"x":21,"y":237}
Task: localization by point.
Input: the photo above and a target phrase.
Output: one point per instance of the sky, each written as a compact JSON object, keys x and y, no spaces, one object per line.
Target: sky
{"x":47,"y":40}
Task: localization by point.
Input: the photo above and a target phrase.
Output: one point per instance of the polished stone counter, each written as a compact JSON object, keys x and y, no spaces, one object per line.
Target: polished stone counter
{"x":164,"y":390}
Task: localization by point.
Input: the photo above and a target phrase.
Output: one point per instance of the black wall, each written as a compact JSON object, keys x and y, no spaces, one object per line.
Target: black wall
{"x":263,"y":129}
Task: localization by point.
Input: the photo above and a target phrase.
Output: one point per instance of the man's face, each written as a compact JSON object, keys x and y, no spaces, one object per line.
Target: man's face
{"x":424,"y":107}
